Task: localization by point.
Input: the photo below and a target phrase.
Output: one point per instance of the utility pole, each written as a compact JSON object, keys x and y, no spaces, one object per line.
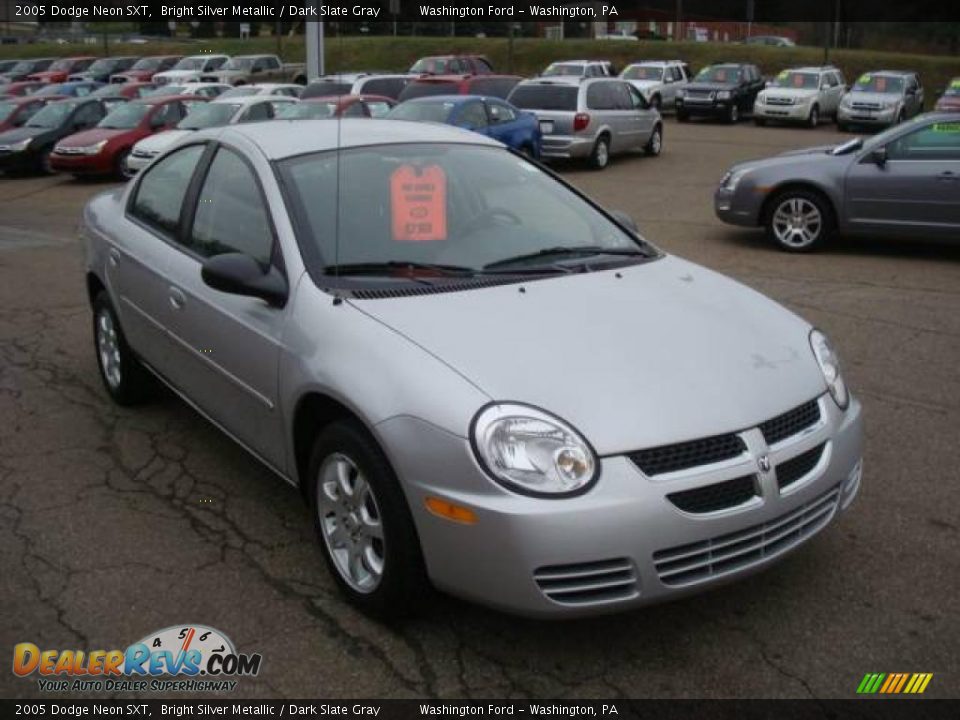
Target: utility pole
{"x":677,"y":35}
{"x":277,"y":31}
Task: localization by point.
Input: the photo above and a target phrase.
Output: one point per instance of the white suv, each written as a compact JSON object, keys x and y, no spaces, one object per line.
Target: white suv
{"x":803,"y":95}
{"x":658,"y":80}
{"x":579,"y":69}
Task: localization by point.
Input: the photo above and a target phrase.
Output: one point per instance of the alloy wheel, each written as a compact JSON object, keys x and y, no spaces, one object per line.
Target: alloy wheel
{"x":797,"y":222}
{"x":108,"y":346}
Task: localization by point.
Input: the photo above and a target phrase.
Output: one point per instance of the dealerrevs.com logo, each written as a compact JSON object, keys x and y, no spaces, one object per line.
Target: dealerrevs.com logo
{"x":188,"y":658}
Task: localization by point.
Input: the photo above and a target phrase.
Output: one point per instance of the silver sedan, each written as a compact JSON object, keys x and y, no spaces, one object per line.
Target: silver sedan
{"x":478,"y":378}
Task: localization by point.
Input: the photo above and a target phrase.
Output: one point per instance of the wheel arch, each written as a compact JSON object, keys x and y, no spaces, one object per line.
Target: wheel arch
{"x":94,"y":286}
{"x":807,"y":186}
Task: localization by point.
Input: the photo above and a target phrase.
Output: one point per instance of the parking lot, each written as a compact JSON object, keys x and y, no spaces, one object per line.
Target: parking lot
{"x":115,"y":522}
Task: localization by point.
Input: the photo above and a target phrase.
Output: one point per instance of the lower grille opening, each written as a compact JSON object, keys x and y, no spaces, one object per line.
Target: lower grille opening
{"x":588,"y":583}
{"x":789,"y":471}
{"x":719,"y":496}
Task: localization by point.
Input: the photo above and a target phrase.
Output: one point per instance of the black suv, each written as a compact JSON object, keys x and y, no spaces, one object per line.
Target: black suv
{"x":726,"y":90}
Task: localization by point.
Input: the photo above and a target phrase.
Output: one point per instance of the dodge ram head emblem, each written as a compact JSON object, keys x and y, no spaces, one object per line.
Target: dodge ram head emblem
{"x":764,"y":463}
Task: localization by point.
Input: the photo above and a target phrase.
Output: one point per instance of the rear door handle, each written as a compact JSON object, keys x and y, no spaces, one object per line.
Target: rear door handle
{"x":947,"y":176}
{"x":177,"y":298}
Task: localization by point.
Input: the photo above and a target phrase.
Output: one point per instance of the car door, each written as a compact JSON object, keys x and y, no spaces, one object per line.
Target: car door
{"x":472,"y":116}
{"x":643,"y":116}
{"x":602,"y":102}
{"x":913,"y":98}
{"x":503,"y":124}
{"x":917,"y":187}
{"x":227,"y":347}
{"x":138,"y":265}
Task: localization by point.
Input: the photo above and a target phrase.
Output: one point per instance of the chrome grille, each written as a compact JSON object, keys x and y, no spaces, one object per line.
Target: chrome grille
{"x":588,"y":583}
{"x":669,"y":458}
{"x":779,"y":101}
{"x":143,"y":153}
{"x":699,"y":562}
{"x":865,"y":106}
{"x":789,"y":471}
{"x":791,"y":422}
{"x":718,"y":496}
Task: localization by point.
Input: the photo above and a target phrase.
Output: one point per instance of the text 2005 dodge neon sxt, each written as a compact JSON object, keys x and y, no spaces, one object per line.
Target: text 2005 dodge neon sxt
{"x":478,"y":377}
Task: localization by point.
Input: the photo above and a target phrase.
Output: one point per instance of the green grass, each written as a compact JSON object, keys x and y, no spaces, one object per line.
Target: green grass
{"x":530,"y":55}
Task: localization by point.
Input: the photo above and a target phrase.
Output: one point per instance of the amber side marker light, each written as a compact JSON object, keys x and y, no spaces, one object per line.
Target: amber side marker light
{"x":446,"y":509}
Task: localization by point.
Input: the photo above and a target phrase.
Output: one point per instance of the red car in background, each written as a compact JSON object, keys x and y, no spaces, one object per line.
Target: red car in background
{"x":15,"y":111}
{"x":330,"y":106}
{"x":453,"y":65}
{"x":128,"y":90}
{"x":498,"y":86}
{"x":145,"y":68}
{"x":103,"y":150}
{"x":61,"y":69}
{"x":20,"y":89}
{"x":949,"y":101}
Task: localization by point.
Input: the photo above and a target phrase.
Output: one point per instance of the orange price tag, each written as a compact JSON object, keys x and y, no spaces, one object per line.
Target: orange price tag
{"x":418,"y":199}
{"x":881,"y":84}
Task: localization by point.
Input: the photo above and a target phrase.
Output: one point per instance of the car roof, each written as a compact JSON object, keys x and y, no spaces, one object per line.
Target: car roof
{"x":892,"y":73}
{"x":253,"y":55}
{"x":276,"y":141}
{"x":559,"y":81}
{"x":455,"y":99}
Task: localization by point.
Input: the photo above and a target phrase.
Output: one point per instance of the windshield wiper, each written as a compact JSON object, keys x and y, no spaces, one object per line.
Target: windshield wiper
{"x":375,"y":268}
{"x":565,"y":251}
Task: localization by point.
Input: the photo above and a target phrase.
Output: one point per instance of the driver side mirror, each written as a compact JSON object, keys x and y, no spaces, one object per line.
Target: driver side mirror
{"x":240,"y":274}
{"x":624,"y":220}
{"x":878,"y":156}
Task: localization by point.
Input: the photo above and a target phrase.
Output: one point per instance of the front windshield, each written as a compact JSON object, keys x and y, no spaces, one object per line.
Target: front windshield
{"x":879,"y":84}
{"x":306,"y":110}
{"x":239,"y":63}
{"x":165,"y":90}
{"x":146,"y":63}
{"x":436,"y":66}
{"x":22,"y":67}
{"x":48,"y":90}
{"x":563,"y":70}
{"x":62,"y":65}
{"x":797,"y":80}
{"x":125,"y":116}
{"x":102,"y":65}
{"x":422,"y":111}
{"x":208,"y":115}
{"x":464,"y":206}
{"x":243,"y":91}
{"x":718,"y":74}
{"x":953,"y":90}
{"x":52,"y":115}
{"x":6,"y":110}
{"x":190,"y":63}
{"x":643,"y":72}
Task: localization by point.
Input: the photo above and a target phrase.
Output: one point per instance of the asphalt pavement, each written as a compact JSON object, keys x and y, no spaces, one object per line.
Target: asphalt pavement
{"x":117,"y":522}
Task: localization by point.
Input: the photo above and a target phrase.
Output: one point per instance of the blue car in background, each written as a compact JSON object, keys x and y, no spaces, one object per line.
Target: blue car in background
{"x":77,"y":88}
{"x":488,"y":116}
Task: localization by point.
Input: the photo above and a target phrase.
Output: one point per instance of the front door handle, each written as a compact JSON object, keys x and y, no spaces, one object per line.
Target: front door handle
{"x":114,"y":257}
{"x":947,"y":176}
{"x":177,"y":298}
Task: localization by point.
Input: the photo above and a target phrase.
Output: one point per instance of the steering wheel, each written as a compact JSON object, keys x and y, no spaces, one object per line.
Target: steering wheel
{"x":491,"y":214}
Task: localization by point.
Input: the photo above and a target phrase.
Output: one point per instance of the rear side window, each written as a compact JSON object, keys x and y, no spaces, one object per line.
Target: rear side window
{"x":324,"y":88}
{"x":544,"y":97}
{"x":493,"y":87}
{"x":602,"y":96}
{"x":162,"y":189}
{"x":258,"y":112}
{"x":377,"y":108}
{"x":426,"y":89}
{"x":387,"y":87}
{"x":231,"y":214}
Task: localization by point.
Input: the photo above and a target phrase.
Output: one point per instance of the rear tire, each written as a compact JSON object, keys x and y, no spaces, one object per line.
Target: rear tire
{"x":120,"y":166}
{"x":799,"y":220}
{"x":124,"y":377}
{"x":600,"y":157}
{"x":814,"y":118}
{"x":43,"y":163}
{"x":654,"y":145}
{"x":366,"y":532}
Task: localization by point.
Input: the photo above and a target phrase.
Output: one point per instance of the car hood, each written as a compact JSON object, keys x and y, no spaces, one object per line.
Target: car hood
{"x":803,"y":93}
{"x":91,"y":137}
{"x":178,"y":74}
{"x":949,"y":102}
{"x":161,"y":141}
{"x":870,"y":97}
{"x":644,"y":84}
{"x":22,"y":133}
{"x":666,"y":351}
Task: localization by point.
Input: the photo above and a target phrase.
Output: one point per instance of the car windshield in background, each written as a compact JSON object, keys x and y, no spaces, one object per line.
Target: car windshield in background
{"x":125,"y":117}
{"x":422,"y":111}
{"x":239,"y":64}
{"x":22,"y":66}
{"x":207,"y":115}
{"x":52,"y":115}
{"x":879,"y":84}
{"x":953,"y":90}
{"x":243,"y":91}
{"x":563,"y":70}
{"x":437,"y":66}
{"x":460,"y":206}
{"x":640,"y":72}
{"x":545,"y":97}
{"x":6,"y":110}
{"x":324,"y":88}
{"x":426,"y":89}
{"x":719,"y":74}
{"x":167,"y":90}
{"x":189,"y":64}
{"x":102,"y":65}
{"x":49,"y":90}
{"x":61,"y":65}
{"x":306,"y":110}
{"x":146,"y":64}
{"x":808,"y":81}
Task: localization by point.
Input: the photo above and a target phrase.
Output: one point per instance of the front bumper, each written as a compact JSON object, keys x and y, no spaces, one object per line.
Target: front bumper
{"x":622,"y":544}
{"x":735,"y":208}
{"x":784,"y":113}
{"x":854,"y":116}
{"x":136,"y":163}
{"x":566,"y":146}
{"x":704,"y":108}
{"x":99,"y":164}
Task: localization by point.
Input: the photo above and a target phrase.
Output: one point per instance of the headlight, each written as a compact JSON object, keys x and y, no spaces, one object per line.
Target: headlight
{"x":723,"y":95}
{"x":20,"y":146}
{"x":830,"y":366}
{"x":761,"y":99}
{"x":890,"y":104}
{"x":532,"y":452}
{"x":846,"y":102}
{"x":730,"y":180}
{"x":94,"y":149}
{"x":681,"y":92}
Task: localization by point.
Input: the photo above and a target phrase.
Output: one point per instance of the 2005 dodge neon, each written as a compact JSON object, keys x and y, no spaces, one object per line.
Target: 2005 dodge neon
{"x":479,"y":379}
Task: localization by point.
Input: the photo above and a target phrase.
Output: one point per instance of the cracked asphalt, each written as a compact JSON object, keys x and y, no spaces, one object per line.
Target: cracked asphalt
{"x":115,"y":522}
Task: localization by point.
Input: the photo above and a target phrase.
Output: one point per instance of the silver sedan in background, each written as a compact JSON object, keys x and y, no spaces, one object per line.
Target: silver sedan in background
{"x":477,"y":377}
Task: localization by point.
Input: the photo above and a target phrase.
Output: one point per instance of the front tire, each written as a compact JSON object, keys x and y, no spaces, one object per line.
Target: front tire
{"x":124,"y":377}
{"x":366,"y":533}
{"x":600,"y":157}
{"x":799,"y":221}
{"x":120,"y":166}
{"x":733,"y":114}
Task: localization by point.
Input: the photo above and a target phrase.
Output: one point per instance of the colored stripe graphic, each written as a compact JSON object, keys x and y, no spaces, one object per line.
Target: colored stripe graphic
{"x":894,"y":683}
